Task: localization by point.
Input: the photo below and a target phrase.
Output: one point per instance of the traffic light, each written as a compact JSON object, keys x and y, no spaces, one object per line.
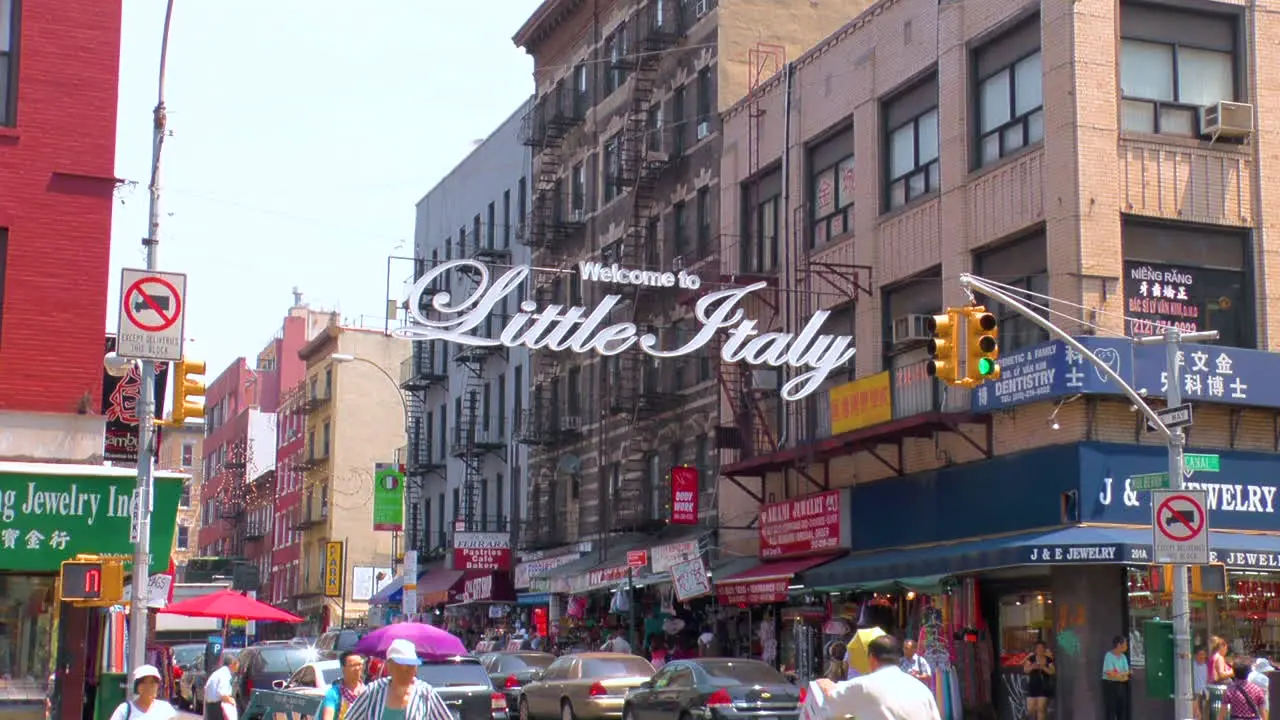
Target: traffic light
{"x":983,"y":350}
{"x":943,"y":349}
{"x":188,"y":391}
{"x":95,"y":581}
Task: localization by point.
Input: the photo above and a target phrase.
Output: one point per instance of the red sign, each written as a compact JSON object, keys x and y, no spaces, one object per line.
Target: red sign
{"x":637,"y":558}
{"x":758,"y":592}
{"x":684,"y":496}
{"x":157,"y":295}
{"x":604,"y":576}
{"x":483,"y":587}
{"x":481,"y":551}
{"x":801,"y":526}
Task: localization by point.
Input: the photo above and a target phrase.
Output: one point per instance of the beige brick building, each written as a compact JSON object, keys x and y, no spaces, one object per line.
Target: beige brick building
{"x":181,"y":451}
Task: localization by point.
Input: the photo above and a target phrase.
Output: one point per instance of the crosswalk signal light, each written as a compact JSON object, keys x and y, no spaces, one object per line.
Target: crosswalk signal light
{"x":94,"y":582}
{"x":188,"y":391}
{"x":984,"y":348}
{"x":943,"y":350}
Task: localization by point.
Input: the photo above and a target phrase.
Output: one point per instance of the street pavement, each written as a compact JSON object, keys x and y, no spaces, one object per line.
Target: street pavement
{"x":184,"y":715}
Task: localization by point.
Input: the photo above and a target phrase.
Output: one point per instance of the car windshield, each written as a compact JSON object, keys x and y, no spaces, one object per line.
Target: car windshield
{"x":726,"y":674}
{"x":347,"y":639}
{"x":283,"y":659}
{"x":187,"y":654}
{"x":330,"y":676}
{"x":615,"y":667}
{"x":453,"y":674}
{"x":516,"y":663}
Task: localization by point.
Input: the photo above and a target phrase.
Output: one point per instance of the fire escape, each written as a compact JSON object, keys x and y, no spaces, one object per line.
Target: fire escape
{"x":423,"y":371}
{"x":639,"y":389}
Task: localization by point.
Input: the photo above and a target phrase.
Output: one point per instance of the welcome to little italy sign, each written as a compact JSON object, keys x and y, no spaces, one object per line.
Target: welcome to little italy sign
{"x":580,"y":330}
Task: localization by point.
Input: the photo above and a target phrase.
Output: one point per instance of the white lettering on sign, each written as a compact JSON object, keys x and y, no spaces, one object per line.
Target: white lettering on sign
{"x":1246,"y":559}
{"x":1074,"y":553}
{"x":684,"y":502}
{"x":481,"y":541}
{"x":1227,"y":497}
{"x":480,"y":588}
{"x":618,"y":275}
{"x":580,"y":329}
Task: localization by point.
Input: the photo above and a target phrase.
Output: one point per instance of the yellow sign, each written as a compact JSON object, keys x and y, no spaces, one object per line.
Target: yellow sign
{"x":861,"y":403}
{"x":333,"y":569}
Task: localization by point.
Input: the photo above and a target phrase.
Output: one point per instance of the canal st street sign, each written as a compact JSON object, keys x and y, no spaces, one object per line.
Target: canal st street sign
{"x":436,"y":315}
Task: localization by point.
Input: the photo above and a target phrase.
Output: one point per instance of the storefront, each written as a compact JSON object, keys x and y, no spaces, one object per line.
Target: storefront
{"x":48,"y":514}
{"x":1054,"y":544}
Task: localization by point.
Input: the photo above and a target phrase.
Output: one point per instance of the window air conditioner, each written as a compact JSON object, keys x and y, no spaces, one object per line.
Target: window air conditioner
{"x":764,"y":380}
{"x":1228,"y":119}
{"x":578,"y":215}
{"x":570,"y":423}
{"x":700,"y":8}
{"x":704,"y":129}
{"x":910,"y":328}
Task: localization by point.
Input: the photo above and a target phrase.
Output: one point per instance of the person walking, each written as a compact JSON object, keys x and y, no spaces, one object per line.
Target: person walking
{"x":144,"y":705}
{"x":1040,"y":672}
{"x":885,"y":693}
{"x":914,"y":664}
{"x":1115,"y":680}
{"x":346,"y":689}
{"x":401,"y":695}
{"x":616,"y":643}
{"x":220,"y":689}
{"x":1243,"y":700}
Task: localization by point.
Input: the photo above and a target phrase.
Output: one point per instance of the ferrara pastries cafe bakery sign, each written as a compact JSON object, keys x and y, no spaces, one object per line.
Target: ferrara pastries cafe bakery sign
{"x":580,"y":329}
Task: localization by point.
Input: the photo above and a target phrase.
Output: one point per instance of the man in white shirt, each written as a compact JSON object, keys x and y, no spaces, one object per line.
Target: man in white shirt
{"x":885,"y":693}
{"x":913,"y":663}
{"x":220,"y":688}
{"x":617,"y":644}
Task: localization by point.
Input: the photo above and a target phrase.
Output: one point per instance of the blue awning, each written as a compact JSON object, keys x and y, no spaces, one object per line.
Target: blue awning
{"x":383,"y":596}
{"x":533,"y":598}
{"x":1251,"y":551}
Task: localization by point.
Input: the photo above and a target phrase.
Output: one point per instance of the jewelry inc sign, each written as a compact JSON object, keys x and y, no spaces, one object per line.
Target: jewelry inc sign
{"x":581,"y":329}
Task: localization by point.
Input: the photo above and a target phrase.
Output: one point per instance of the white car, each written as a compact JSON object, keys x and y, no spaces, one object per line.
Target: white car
{"x":313,"y":678}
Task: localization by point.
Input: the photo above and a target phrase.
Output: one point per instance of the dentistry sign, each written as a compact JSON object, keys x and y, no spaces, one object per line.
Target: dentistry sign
{"x":581,"y":329}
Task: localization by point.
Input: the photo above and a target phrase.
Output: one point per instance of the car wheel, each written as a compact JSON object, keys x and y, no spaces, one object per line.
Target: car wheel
{"x":566,"y":710}
{"x":524,"y":709}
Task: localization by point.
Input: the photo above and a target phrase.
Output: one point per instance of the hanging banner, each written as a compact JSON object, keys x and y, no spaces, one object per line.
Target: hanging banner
{"x":333,"y":569}
{"x":684,"y":495}
{"x":388,"y":497}
{"x":689,"y":579}
{"x":805,"y":525}
{"x":120,"y":406}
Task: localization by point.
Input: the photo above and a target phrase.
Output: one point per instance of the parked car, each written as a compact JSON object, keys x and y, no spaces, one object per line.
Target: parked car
{"x":716,"y":689}
{"x":333,"y":643}
{"x":464,"y":685}
{"x":510,"y":671}
{"x":586,"y":686}
{"x":313,"y":678}
{"x":183,"y":656}
{"x":262,"y":665}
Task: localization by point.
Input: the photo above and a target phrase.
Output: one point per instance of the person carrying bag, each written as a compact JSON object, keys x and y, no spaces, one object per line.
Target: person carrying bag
{"x":144,"y":705}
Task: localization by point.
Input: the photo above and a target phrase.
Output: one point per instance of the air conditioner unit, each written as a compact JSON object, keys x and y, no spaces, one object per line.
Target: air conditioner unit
{"x":704,"y":129}
{"x":1227,"y":119}
{"x":578,"y":216}
{"x":764,"y":380}
{"x":677,"y":263}
{"x":910,"y":328}
{"x":700,"y":8}
{"x":570,"y":423}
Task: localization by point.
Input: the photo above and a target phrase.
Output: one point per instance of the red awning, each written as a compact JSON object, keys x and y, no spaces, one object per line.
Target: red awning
{"x":434,"y":587}
{"x":767,"y":582}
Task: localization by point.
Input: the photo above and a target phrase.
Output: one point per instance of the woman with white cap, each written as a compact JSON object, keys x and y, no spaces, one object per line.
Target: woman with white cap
{"x":401,"y":695}
{"x":145,"y":705}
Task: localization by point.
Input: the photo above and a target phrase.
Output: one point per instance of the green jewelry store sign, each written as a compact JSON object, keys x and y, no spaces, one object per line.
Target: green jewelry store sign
{"x":54,"y":513}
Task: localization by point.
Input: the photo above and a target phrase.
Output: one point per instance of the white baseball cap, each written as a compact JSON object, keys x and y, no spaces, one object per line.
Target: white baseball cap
{"x":145,"y":671}
{"x":402,"y":652}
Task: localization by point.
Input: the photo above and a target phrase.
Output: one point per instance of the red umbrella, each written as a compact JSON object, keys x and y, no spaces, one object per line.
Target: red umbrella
{"x":230,"y":605}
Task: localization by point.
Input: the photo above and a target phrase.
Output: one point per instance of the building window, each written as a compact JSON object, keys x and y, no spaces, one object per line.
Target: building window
{"x":1009,"y":94}
{"x":706,"y":101}
{"x":703,"y":210}
{"x":680,"y":231}
{"x":831,"y":187}
{"x":8,"y":68}
{"x":612,"y":168}
{"x":185,"y":499}
{"x":678,"y":114}
{"x":324,"y":439}
{"x":328,"y":382}
{"x":491,"y":232}
{"x":581,"y":88}
{"x":1023,"y":264}
{"x":1172,"y":64}
{"x":761,"y":202}
{"x":616,"y":49}
{"x":578,"y":198}
{"x":653,"y":122}
{"x":522,"y":200}
{"x":188,"y":454}
{"x":506,"y":218}
{"x":912,"y":139}
{"x":184,"y":536}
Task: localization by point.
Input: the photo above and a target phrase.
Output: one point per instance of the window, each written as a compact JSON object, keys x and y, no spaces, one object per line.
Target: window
{"x":706,"y":101}
{"x":487,"y":405}
{"x":328,"y":382}
{"x":475,"y":230}
{"x":441,"y":430}
{"x":616,"y":49}
{"x":506,"y":219}
{"x":1010,"y":93}
{"x":678,"y":120}
{"x":578,"y":197}
{"x":831,"y":187}
{"x":184,"y":536}
{"x":490,"y":233}
{"x":680,"y":234}
{"x":324,"y":439}
{"x":500,"y":500}
{"x":188,"y":454}
{"x":522,"y":200}
{"x":483,"y":510}
{"x":1172,"y":64}
{"x":8,"y":68}
{"x":912,"y":138}
{"x":704,"y":221}
{"x":581,"y":88}
{"x":612,"y":168}
{"x":761,"y":204}
{"x":184,"y":500}
{"x":1022,"y":264}
{"x":457,"y":497}
{"x":702,"y":461}
{"x":502,"y":406}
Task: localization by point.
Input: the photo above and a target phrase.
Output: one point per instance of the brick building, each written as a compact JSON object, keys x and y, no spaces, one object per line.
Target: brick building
{"x":1103,"y":159}
{"x":286,"y":544}
{"x":180,"y":453}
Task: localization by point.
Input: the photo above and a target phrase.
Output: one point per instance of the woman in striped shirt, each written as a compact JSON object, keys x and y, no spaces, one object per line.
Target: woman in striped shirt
{"x":401,"y":696}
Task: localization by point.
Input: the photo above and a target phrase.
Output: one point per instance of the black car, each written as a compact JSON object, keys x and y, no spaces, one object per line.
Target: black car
{"x":464,"y":685}
{"x":335,"y":642}
{"x":262,"y":665}
{"x":716,"y":689}
{"x":509,"y":671}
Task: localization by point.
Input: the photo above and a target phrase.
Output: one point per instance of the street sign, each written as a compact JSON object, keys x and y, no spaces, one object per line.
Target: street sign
{"x":152,"y":310}
{"x":637,"y":558}
{"x":1173,"y":417}
{"x":1149,"y":481}
{"x":1180,"y":527}
{"x":1195,"y":462}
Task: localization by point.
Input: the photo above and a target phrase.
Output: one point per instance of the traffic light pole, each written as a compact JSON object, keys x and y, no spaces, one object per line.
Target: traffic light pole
{"x":1183,"y":694}
{"x":143,"y":501}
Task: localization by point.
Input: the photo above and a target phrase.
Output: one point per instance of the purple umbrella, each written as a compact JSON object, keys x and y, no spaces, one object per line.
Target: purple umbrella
{"x":432,"y":642}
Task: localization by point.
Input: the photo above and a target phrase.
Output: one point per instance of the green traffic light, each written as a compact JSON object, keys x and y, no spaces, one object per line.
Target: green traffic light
{"x":986,"y":366}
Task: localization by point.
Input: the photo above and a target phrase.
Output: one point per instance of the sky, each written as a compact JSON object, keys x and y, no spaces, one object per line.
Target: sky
{"x":302,"y":135}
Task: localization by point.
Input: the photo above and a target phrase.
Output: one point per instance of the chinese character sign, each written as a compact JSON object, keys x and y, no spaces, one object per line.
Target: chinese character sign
{"x":388,"y":497}
{"x":120,"y":406}
{"x":481,"y":551}
{"x":1188,"y":298}
{"x":756,"y":592}
{"x":334,"y":572}
{"x":45,"y":519}
{"x":684,"y":496}
{"x":801,"y":526}
{"x":861,"y":403}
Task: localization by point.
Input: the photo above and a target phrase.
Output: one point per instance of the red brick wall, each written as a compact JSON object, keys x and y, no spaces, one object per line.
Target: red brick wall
{"x":57,"y":168}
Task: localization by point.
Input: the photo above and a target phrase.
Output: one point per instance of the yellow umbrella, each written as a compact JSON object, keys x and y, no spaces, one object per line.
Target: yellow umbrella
{"x":857,"y":649}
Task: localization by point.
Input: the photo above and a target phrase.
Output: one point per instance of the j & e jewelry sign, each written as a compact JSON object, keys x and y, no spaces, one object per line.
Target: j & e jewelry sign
{"x":581,"y":330}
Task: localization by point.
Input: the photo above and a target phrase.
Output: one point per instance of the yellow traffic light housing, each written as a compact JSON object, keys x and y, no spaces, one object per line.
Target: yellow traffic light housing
{"x":983,"y":346}
{"x":92,"y":581}
{"x":943,"y":349}
{"x":188,"y":391}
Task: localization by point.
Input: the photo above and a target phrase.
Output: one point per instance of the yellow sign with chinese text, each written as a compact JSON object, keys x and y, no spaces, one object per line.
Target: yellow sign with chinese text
{"x":334,"y":570}
{"x":862,"y":403}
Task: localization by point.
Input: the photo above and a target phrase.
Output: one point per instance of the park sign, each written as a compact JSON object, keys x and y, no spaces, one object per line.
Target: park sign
{"x":51,"y":513}
{"x":579,"y":329}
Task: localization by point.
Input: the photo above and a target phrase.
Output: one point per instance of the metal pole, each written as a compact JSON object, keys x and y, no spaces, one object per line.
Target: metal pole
{"x":1182,"y":675}
{"x":342,"y":601}
{"x":631,"y":611}
{"x":143,"y":506}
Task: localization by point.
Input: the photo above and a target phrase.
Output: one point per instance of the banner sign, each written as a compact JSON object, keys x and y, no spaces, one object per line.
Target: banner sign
{"x":757,"y":592}
{"x":665,"y":557}
{"x":437,"y":315}
{"x":689,"y":579}
{"x":334,"y":570}
{"x":862,"y":403}
{"x":481,"y":551}
{"x":120,"y":406}
{"x":684,"y":495}
{"x":801,"y":526}
{"x":388,"y":497}
{"x":527,"y":572}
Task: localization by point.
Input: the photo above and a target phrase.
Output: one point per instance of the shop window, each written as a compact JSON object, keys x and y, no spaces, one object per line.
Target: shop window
{"x":1026,"y":619}
{"x":26,"y":626}
{"x":1173,"y":63}
{"x":1022,"y":264}
{"x":911,"y":144}
{"x":831,"y":187}
{"x":1009,"y":95}
{"x":1193,"y":278}
{"x":761,"y":203}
